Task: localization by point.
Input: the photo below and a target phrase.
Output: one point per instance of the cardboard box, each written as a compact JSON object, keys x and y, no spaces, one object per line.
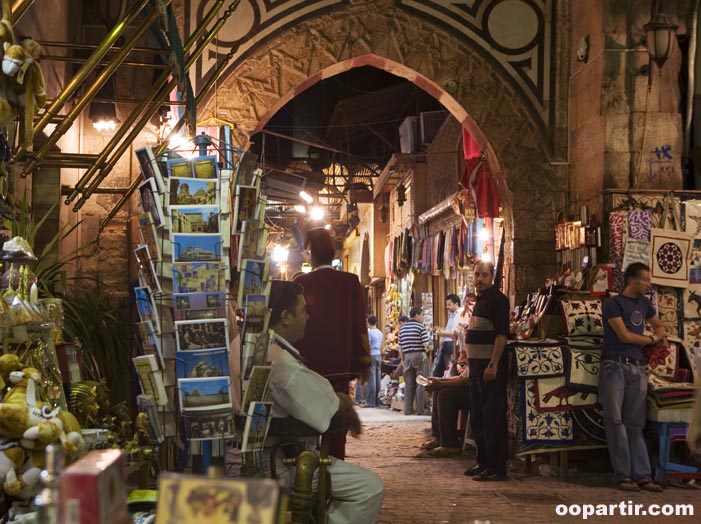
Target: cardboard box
{"x":93,"y":490}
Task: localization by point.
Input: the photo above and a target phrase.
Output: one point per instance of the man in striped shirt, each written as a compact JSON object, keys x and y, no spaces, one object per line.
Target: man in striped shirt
{"x":486,"y":340}
{"x":413,"y":343}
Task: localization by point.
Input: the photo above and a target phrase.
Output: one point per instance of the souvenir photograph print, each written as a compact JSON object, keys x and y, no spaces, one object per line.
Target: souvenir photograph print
{"x":198,"y":277}
{"x":192,"y":192}
{"x":147,"y":271}
{"x":150,"y":168}
{"x":201,"y":334}
{"x":210,"y":425}
{"x":253,"y":278}
{"x":191,"y":220}
{"x":148,"y":236}
{"x":151,"y":202}
{"x":185,"y":306}
{"x":202,"y":364}
{"x":146,"y":307}
{"x":245,"y":207}
{"x":196,"y":247}
{"x":201,"y":394}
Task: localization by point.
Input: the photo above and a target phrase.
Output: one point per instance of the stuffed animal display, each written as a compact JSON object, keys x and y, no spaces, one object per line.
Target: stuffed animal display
{"x":22,"y":86}
{"x":27,"y":426}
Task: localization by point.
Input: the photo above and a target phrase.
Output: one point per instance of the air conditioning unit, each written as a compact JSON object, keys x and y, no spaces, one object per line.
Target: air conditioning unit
{"x":429,"y":124}
{"x":408,"y":135}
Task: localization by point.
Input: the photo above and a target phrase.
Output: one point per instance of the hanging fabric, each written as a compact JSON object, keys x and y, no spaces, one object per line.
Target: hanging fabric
{"x":469,"y":146}
{"x":477,"y":178}
{"x":670,"y":251}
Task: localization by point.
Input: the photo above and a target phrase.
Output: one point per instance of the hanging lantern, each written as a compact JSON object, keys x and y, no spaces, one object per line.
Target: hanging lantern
{"x":659,"y":35}
{"x":401,"y":194}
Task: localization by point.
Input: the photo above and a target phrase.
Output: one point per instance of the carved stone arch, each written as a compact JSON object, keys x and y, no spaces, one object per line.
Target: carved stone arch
{"x":437,"y":60}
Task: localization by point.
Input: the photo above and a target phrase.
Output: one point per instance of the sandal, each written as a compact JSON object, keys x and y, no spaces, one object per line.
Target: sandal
{"x":628,"y":485}
{"x":441,"y":452}
{"x":651,"y":486}
{"x":431,"y":444}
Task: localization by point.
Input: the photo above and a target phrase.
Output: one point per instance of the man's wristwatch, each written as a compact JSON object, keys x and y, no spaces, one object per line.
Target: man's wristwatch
{"x":652,"y":339}
{"x":491,"y":365}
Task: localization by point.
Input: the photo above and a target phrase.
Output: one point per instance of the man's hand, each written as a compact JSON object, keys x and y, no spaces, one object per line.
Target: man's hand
{"x":489,"y":374}
{"x":349,"y":417}
{"x":434,"y":384}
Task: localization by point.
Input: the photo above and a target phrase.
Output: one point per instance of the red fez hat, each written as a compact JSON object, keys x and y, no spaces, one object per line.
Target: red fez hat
{"x":319,"y":242}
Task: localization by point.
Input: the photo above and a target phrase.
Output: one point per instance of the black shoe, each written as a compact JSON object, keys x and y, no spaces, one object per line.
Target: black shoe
{"x":486,"y":476}
{"x":474,"y":470}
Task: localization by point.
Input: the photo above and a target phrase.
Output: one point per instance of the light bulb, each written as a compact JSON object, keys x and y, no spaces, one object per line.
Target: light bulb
{"x":300,"y":209}
{"x":317,"y":213}
{"x":306,"y":197}
{"x":483,"y":234}
{"x":327,"y":227}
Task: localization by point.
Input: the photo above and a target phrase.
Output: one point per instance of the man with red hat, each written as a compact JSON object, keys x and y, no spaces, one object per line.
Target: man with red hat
{"x":335,"y":342}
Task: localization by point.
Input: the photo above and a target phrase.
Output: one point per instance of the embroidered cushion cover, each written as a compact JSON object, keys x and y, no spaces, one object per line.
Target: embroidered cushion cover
{"x":582,"y":316}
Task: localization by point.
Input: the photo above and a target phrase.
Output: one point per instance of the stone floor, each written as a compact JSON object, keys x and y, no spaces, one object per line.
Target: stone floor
{"x":435,"y":491}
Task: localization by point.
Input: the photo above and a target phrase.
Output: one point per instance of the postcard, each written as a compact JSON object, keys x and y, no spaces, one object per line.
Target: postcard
{"x":209,"y":425}
{"x":148,"y":340}
{"x":147,"y":271}
{"x":253,"y":278}
{"x":198,"y":277}
{"x":146,"y":307}
{"x":192,"y":192}
{"x":256,"y":386}
{"x":261,"y":207}
{"x":148,"y":235}
{"x":203,"y":363}
{"x":257,"y":314}
{"x":147,"y":404}
{"x":184,"y":499}
{"x":205,"y":167}
{"x":245,"y":207}
{"x":151,"y":378}
{"x":199,"y":394}
{"x":246,"y":169}
{"x":179,"y":167}
{"x":151,"y":202}
{"x":196,"y":248}
{"x":254,"y":352}
{"x":258,"y":420}
{"x":188,"y":219}
{"x":150,"y":168}
{"x":253,"y":240}
{"x":201,"y":334}
{"x":186,"y":305}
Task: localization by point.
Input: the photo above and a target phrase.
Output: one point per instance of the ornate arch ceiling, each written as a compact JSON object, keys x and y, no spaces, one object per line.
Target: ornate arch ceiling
{"x":517,"y":36}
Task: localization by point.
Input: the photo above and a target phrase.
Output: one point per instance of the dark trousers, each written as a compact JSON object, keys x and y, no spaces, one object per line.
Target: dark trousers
{"x":447,"y":402}
{"x":337,"y":440}
{"x":443,"y":357}
{"x":488,"y":415}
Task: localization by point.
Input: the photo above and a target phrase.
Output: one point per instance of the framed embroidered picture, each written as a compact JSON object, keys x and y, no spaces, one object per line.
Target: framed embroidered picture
{"x":669,"y":258}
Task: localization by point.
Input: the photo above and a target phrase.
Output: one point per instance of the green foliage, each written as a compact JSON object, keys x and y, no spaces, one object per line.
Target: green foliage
{"x":100,"y":323}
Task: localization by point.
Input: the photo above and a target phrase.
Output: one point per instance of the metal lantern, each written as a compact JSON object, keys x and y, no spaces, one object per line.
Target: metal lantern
{"x":659,"y":35}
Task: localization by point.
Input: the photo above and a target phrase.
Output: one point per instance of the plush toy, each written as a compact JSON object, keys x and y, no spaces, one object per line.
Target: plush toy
{"x":11,"y":459}
{"x":14,"y":412}
{"x":7,"y":115}
{"x":8,"y":364}
{"x":26,"y":90}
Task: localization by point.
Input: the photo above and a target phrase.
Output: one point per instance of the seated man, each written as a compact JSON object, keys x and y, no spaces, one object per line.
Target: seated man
{"x":450,"y":395}
{"x":298,"y":392}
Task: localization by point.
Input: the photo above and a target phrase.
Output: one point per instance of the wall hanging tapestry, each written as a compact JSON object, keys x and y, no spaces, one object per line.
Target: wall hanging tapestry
{"x":692,"y":344}
{"x":692,"y":301}
{"x":583,"y":368}
{"x":692,"y":217}
{"x":548,"y":428}
{"x":539,"y":361}
{"x":668,"y":308}
{"x":582,"y":316}
{"x":669,"y":258}
{"x":553,"y":394}
{"x":640,"y":224}
{"x":617,"y":233}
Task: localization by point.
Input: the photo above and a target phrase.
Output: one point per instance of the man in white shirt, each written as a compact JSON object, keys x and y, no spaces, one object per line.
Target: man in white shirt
{"x":448,"y":336}
{"x":297,"y":391}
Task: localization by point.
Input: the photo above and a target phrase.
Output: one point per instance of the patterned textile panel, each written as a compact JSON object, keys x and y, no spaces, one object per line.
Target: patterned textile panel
{"x":661,"y":361}
{"x":553,"y":394}
{"x":640,"y":224}
{"x":555,"y":427}
{"x":669,"y":258}
{"x":539,"y":361}
{"x":692,"y":301}
{"x":668,"y":308}
{"x":583,"y":368}
{"x":692,"y":344}
{"x":617,"y":233}
{"x":583,"y":316}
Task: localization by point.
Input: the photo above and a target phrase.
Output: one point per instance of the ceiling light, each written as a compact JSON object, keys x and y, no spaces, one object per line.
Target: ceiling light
{"x":327,"y":226}
{"x":300,"y":209}
{"x":280,"y":254}
{"x":483,"y":234}
{"x":317,"y":213}
{"x":103,"y":116}
{"x":306,"y":197}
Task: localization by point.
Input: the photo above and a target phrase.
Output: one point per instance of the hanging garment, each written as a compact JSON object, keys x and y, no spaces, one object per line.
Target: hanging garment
{"x":478,"y":179}
{"x":469,"y":145}
{"x":446,"y":254}
{"x":617,"y":233}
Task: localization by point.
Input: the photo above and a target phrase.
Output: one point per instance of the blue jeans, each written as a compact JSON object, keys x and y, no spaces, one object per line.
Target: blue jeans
{"x":372,"y":386}
{"x":622,"y":394}
{"x":443,"y":357}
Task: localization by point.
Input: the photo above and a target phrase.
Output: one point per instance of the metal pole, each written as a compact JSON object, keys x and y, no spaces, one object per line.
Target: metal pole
{"x":19,"y":7}
{"x":692,"y":80}
{"x":84,"y":71}
{"x":157,"y":92}
{"x":100,"y":81}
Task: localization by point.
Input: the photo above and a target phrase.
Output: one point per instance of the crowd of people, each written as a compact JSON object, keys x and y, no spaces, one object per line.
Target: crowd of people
{"x":323,"y":341}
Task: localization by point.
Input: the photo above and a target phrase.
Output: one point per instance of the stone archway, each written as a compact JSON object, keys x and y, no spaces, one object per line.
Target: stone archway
{"x":469,"y":84}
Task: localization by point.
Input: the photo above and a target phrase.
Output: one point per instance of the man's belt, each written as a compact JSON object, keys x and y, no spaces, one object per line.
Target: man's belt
{"x":625,"y":360}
